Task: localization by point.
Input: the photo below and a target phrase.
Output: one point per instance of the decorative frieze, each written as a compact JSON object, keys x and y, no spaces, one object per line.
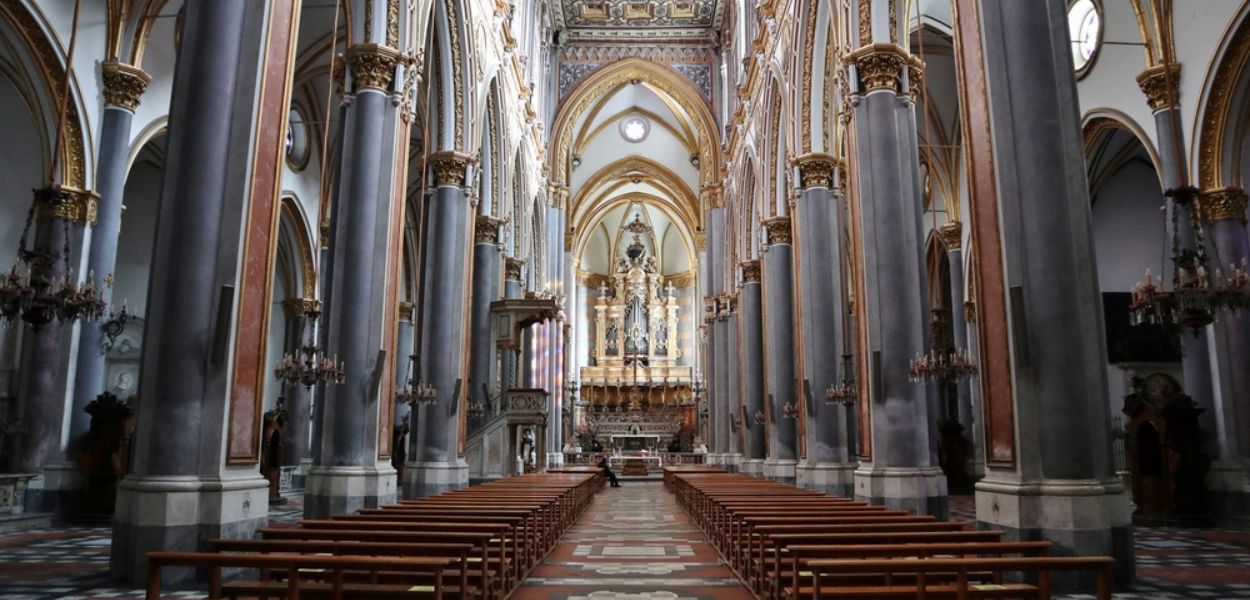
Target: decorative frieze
{"x":486,"y":229}
{"x":450,"y":167}
{"x":952,"y":234}
{"x":123,"y":84}
{"x":778,"y":229}
{"x":750,"y":271}
{"x":1223,"y":204}
{"x":372,"y":65}
{"x":1154,"y":84}
{"x":816,"y":169}
{"x":66,"y":203}
{"x":883,"y":66}
{"x":512,"y":268}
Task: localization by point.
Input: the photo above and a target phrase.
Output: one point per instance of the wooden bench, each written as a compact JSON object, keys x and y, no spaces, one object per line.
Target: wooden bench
{"x":964,"y":586}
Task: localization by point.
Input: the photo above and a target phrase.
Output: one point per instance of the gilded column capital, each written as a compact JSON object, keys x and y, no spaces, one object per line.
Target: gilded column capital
{"x":449,"y":167}
{"x":66,"y":203}
{"x":302,"y":308}
{"x":778,"y":229}
{"x":1154,"y":84}
{"x":123,"y":84}
{"x":372,"y":65}
{"x":1223,"y":204}
{"x":882,"y":67}
{"x":486,"y":229}
{"x":952,"y":234}
{"x":557,"y":194}
{"x":750,"y":271}
{"x":816,"y":169}
{"x":406,"y":309}
{"x":512,"y":268}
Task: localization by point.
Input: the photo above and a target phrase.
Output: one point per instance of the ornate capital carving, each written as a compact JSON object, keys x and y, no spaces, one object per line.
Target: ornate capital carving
{"x":449,"y":167}
{"x":816,"y":169}
{"x":308,"y":308}
{"x":486,"y":229}
{"x":123,"y":84}
{"x":750,"y":271}
{"x":1154,"y":84}
{"x":512,"y":268}
{"x":405,"y":310}
{"x":778,"y":229}
{"x":66,"y":203}
{"x":882,"y":66}
{"x":952,"y":234}
{"x":372,"y":65}
{"x":1223,"y":204}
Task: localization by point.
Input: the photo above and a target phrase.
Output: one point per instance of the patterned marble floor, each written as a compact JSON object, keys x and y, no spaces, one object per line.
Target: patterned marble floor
{"x":633,"y":543}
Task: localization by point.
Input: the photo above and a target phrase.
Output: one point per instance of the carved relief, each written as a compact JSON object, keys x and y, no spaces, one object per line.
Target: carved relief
{"x":123,"y":84}
{"x":816,"y":169}
{"x":449,"y":168}
{"x":1223,"y":204}
{"x":952,"y":235}
{"x":1154,"y":84}
{"x":750,"y":271}
{"x":66,"y":203}
{"x":512,"y":268}
{"x":372,"y":65}
{"x":881,"y":67}
{"x":486,"y":229}
{"x":778,"y":229}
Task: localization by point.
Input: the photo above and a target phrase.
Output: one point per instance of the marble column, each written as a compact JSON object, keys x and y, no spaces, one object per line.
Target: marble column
{"x":509,"y":361}
{"x":486,"y":275}
{"x":733,"y":406}
{"x":342,"y":478}
{"x":777,"y":280}
{"x":404,"y":367}
{"x":1038,"y":293}
{"x":952,"y":239}
{"x":718,"y":419}
{"x":123,"y":86}
{"x":818,"y":225}
{"x":301,"y":314}
{"x":901,"y":469}
{"x":180,"y":491}
{"x":750,"y":366}
{"x":438,"y":466}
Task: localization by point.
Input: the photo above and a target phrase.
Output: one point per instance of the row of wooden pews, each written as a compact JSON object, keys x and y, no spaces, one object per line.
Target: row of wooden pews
{"x":794,"y":543}
{"x":473,"y":543}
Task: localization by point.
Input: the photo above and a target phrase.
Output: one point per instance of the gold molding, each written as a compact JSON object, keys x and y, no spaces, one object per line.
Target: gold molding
{"x":123,"y":84}
{"x":486,"y":229}
{"x":449,"y":167}
{"x":952,"y":234}
{"x":301,"y":307}
{"x":1153,"y":83}
{"x":1220,"y":101}
{"x":372,"y":65}
{"x":1223,"y":204}
{"x":816,"y":169}
{"x":66,"y":203}
{"x":881,"y":67}
{"x":750,"y":271}
{"x":778,"y":228}
{"x":512,"y":267}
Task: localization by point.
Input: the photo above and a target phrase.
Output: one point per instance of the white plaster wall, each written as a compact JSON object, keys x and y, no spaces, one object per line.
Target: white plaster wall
{"x":1128,"y":227}
{"x":134,"y":250}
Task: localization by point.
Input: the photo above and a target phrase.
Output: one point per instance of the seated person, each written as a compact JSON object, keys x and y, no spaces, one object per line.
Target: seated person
{"x":607,"y":471}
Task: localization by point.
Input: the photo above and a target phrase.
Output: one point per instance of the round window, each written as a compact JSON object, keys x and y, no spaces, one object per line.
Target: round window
{"x":296,"y":141}
{"x":634,"y":129}
{"x":1085,"y":29}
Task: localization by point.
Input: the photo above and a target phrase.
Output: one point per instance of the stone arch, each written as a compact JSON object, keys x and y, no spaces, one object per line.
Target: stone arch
{"x":1225,"y":117}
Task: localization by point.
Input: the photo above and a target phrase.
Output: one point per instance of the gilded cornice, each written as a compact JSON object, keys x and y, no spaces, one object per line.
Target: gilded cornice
{"x":952,"y":235}
{"x":449,"y":167}
{"x":816,"y":169}
{"x":750,"y":271}
{"x":66,"y":203}
{"x":372,"y":65}
{"x":486,"y":229}
{"x":512,"y":268}
{"x":1154,"y":84}
{"x":1223,"y":204}
{"x":123,"y":84}
{"x":302,"y":308}
{"x":881,"y":67}
{"x":778,"y":229}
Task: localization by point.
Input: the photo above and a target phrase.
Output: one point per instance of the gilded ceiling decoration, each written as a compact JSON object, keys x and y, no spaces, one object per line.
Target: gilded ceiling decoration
{"x":646,"y":18}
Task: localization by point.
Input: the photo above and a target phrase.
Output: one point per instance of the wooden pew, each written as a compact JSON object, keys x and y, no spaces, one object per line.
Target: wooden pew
{"x":964,"y":586}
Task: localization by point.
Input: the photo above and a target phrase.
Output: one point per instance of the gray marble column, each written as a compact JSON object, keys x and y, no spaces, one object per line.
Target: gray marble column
{"x":486,"y":275}
{"x":902,"y":470}
{"x":1052,"y":315}
{"x":298,"y":397}
{"x":733,"y":407}
{"x":818,"y":224}
{"x":404,"y":367}
{"x":340,"y":480}
{"x":438,"y":466}
{"x":510,"y":359}
{"x":952,"y":238}
{"x":777,"y":268}
{"x":123,"y":86}
{"x":750,"y":367}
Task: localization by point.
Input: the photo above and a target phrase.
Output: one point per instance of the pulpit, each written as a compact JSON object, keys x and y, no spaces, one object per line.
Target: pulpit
{"x":106,"y":455}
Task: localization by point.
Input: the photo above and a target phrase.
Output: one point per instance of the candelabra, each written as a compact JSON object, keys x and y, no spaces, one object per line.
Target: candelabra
{"x":759,"y":417}
{"x":845,"y":392}
{"x":417,"y":391}
{"x":940,"y":366}
{"x":308,"y":365}
{"x":115,"y":325}
{"x":789,"y":410}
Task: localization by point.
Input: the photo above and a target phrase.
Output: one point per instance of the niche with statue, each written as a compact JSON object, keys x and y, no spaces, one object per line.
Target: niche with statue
{"x":1165,"y":458}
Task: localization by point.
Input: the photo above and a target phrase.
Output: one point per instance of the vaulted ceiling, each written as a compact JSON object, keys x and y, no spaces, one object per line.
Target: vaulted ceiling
{"x":641,"y":18}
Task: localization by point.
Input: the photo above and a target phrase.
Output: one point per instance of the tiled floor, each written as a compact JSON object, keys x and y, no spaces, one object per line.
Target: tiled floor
{"x":632,"y":544}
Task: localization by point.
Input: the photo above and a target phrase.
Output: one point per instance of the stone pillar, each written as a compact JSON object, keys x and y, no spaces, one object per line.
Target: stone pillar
{"x":340,"y":479}
{"x":438,"y":466}
{"x":718,"y":419}
{"x":750,"y":365}
{"x":404,"y":367}
{"x":733,"y":402}
{"x":510,"y":375}
{"x":123,"y":86}
{"x":486,"y":259}
{"x":900,"y":468}
{"x":1040,"y":319}
{"x":952,"y":239}
{"x":301,"y":314}
{"x":779,"y":369}
{"x":818,"y":227}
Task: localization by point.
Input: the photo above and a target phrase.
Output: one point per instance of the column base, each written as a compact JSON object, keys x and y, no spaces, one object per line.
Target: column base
{"x":781,"y":471}
{"x":179,"y":513}
{"x":732,"y":463}
{"x":918,"y":490}
{"x":555,"y":459}
{"x":835,"y":479}
{"x":58,"y":490}
{"x":1081,"y":517}
{"x":752,"y":466}
{"x":431,"y":478}
{"x":332,"y":491}
{"x":1228,"y":494}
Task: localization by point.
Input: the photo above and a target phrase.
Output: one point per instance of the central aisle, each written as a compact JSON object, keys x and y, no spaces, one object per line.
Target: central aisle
{"x":634,"y":542}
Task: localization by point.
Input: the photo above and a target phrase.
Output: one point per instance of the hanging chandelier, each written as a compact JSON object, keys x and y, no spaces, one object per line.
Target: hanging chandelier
{"x":417,"y":391}
{"x":942,"y":367}
{"x":1196,"y":295}
{"x":845,"y":392}
{"x":308,"y":365}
